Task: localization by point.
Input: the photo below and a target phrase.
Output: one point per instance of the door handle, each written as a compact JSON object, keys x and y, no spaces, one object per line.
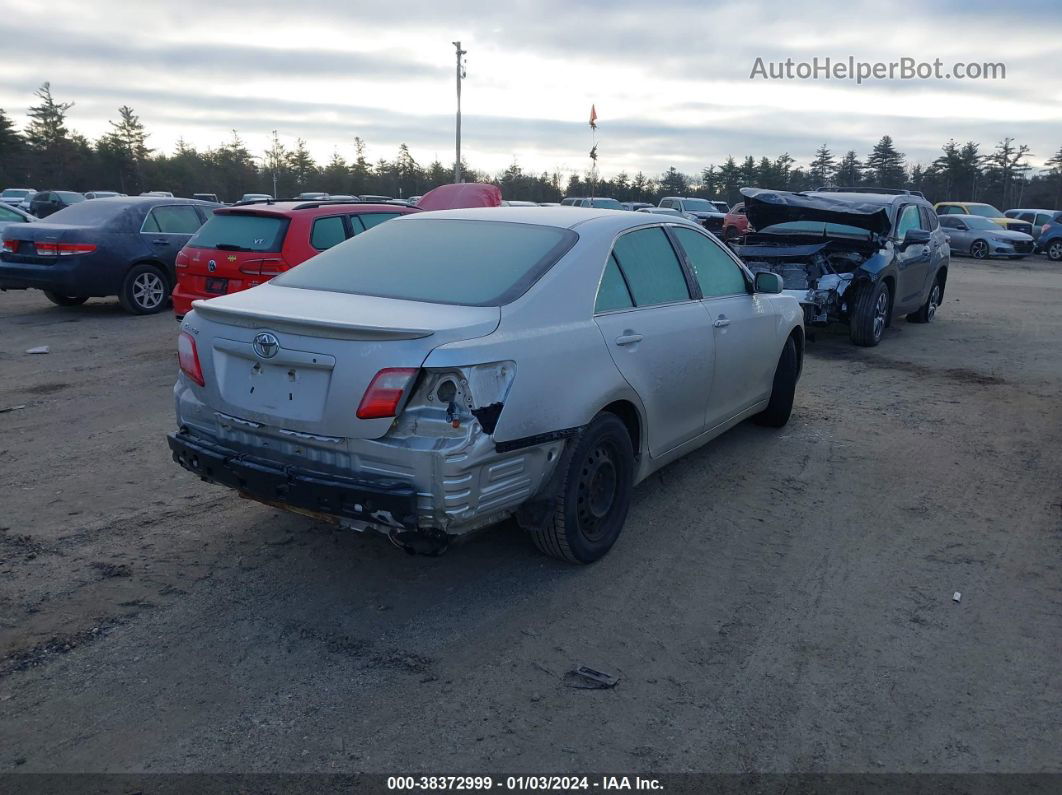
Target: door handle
{"x":722,"y":322}
{"x":628,"y":339}
{"x":160,"y":242}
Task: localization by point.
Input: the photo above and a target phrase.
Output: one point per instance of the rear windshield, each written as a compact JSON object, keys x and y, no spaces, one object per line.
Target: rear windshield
{"x":93,"y":213}
{"x":241,"y":232}
{"x":439,"y":261}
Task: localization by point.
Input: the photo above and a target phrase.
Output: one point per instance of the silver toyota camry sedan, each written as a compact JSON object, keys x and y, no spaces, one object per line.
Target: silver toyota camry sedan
{"x":447,"y":370}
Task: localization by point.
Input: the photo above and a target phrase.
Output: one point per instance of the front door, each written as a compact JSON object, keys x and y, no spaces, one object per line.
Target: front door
{"x":657,"y":335}
{"x":912,"y":263}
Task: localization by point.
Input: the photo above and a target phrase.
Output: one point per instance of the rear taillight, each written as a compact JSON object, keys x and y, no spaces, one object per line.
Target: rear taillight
{"x":188,"y":356}
{"x":63,"y":249}
{"x":385,"y":392}
{"x":1043,"y":230}
{"x":11,"y":246}
{"x":264,"y":267}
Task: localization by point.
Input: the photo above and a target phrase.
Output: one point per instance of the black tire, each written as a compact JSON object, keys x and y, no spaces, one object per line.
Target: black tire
{"x":979,"y":249}
{"x":65,"y":300}
{"x":928,"y":310}
{"x":870,"y":316}
{"x":594,"y":497}
{"x":785,"y":379}
{"x":145,"y":291}
{"x":1054,"y":250}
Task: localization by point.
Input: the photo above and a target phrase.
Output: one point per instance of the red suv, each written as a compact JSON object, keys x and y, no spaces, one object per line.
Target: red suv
{"x":245,"y":245}
{"x":736,"y":223}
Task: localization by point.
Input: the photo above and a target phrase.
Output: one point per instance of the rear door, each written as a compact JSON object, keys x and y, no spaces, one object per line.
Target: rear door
{"x":657,"y":334}
{"x":167,"y":228}
{"x":744,"y":328}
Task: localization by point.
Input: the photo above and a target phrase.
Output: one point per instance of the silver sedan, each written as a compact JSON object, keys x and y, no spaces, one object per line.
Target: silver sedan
{"x":982,"y":238}
{"x":447,"y":370}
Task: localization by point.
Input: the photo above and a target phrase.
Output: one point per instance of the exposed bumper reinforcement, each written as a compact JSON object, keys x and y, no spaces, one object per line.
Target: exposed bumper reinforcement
{"x":381,"y":501}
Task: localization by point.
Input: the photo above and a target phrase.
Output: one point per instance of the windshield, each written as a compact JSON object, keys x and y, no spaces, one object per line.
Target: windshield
{"x":722,"y":207}
{"x":70,"y":197}
{"x":606,"y":204}
{"x":439,"y":261}
{"x":984,"y":210}
{"x":817,"y":228}
{"x":241,"y":232}
{"x":15,"y":193}
{"x":699,"y":206}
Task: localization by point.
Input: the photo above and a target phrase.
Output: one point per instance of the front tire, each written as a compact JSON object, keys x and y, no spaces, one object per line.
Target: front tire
{"x":871,"y":315}
{"x":594,"y":496}
{"x":979,"y":249}
{"x":1054,"y":250}
{"x":928,"y":310}
{"x":145,"y":291}
{"x":65,"y":300}
{"x":780,"y":406}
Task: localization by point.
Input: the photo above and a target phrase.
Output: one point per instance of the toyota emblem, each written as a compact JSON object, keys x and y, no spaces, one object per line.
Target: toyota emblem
{"x":212,"y":266}
{"x":266,"y":345}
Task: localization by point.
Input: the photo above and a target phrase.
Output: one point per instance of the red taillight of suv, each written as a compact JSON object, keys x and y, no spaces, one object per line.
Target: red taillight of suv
{"x":385,"y":392}
{"x":11,"y":246}
{"x":188,"y":356}
{"x":63,"y":249}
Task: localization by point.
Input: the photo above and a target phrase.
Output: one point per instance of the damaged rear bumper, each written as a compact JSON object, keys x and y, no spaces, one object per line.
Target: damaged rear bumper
{"x":377,"y":500}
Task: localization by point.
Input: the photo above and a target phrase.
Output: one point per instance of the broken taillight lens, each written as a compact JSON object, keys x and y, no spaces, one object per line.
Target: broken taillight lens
{"x":188,"y":356}
{"x":385,"y":392}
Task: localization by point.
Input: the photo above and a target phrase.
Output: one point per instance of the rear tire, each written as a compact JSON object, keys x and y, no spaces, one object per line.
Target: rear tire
{"x":594,"y":497}
{"x":1054,"y":251}
{"x":145,"y":291}
{"x":780,"y":406}
{"x":65,"y":300}
{"x":928,"y":310}
{"x":871,"y":315}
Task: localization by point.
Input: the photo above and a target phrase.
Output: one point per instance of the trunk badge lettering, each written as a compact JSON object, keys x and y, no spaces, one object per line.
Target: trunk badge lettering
{"x":266,"y":345}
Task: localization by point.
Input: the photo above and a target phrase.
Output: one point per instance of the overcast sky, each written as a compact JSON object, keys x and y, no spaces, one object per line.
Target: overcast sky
{"x":670,"y":78}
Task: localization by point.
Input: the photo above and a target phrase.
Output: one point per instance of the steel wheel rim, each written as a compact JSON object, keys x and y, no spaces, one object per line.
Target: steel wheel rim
{"x":934,"y":301}
{"x":979,"y":250}
{"x":597,"y":490}
{"x":148,"y":290}
{"x":1055,"y":250}
{"x":881,"y":311}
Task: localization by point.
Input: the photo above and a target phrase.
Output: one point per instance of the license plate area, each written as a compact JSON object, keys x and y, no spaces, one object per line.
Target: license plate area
{"x":217,"y":286}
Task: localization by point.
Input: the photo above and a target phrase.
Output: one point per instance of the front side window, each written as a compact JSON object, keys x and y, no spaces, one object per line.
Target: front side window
{"x":173,"y":220}
{"x":716,"y":273}
{"x":327,"y":232}
{"x":909,"y":219}
{"x":651,"y":267}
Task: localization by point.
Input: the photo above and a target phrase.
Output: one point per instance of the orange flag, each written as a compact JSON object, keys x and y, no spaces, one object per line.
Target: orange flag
{"x":593,"y":117}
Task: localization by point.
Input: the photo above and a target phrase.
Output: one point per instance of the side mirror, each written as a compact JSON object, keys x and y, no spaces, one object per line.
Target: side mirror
{"x":961,"y":226}
{"x":767,"y":282}
{"x":915,"y":237}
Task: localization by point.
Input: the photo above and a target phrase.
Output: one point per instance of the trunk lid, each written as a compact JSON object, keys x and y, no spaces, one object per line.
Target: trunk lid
{"x":28,"y":235}
{"x":317,"y":353}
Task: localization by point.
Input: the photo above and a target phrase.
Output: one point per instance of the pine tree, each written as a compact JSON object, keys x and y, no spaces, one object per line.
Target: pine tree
{"x":823,"y":167}
{"x":1054,"y":164}
{"x":886,"y":164}
{"x":48,"y":137}
{"x":849,"y":171}
{"x":303,"y":169}
{"x":12,"y":152}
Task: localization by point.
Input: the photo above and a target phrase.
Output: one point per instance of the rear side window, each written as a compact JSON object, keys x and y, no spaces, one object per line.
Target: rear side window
{"x":368,"y":220}
{"x":441,"y":261}
{"x":613,"y":293}
{"x":716,"y":273}
{"x":929,"y":218}
{"x":651,"y":268}
{"x":241,"y":232}
{"x":327,"y":232}
{"x":173,"y":220}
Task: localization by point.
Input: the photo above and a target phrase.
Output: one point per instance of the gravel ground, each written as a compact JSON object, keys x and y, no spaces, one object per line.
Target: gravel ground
{"x":779,"y":601}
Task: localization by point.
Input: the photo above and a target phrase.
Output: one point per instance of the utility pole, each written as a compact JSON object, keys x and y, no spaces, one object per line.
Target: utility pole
{"x":460,"y":77}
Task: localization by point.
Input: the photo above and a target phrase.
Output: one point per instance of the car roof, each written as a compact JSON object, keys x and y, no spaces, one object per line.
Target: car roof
{"x":132,"y":201}
{"x":560,"y":217}
{"x":311,"y":207}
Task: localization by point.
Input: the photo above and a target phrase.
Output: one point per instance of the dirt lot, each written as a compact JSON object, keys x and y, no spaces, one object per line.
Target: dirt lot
{"x":779,"y":601}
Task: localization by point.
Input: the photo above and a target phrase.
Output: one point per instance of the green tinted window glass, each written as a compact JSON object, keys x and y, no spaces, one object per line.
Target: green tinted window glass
{"x":327,"y":232}
{"x":613,"y":293}
{"x":716,"y":273}
{"x":651,"y":267}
